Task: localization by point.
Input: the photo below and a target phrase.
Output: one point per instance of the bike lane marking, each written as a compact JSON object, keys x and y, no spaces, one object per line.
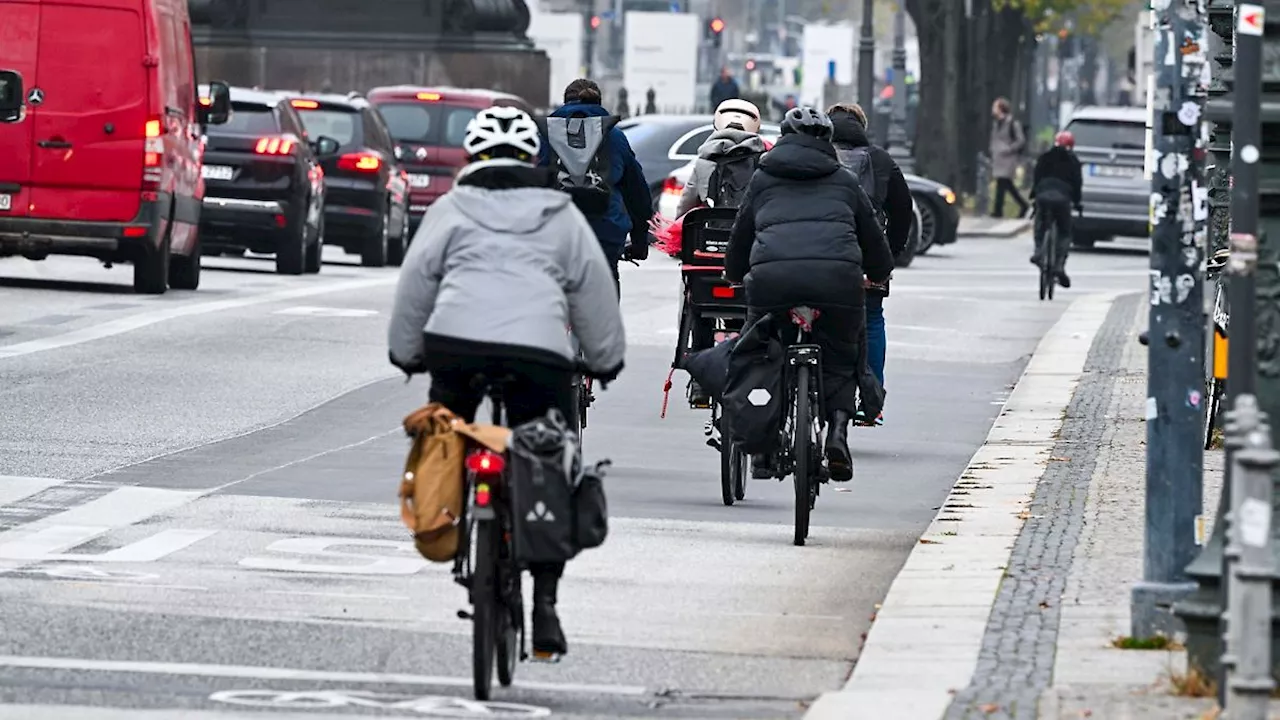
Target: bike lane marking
{"x":245,"y":672}
{"x":13,"y":488}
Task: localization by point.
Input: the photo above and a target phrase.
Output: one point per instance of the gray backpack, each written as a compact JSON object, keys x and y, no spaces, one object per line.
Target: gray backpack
{"x":858,"y":162}
{"x":580,"y":157}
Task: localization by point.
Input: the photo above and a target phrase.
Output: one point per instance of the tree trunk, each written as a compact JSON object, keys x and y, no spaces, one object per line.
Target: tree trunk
{"x":939,"y":26}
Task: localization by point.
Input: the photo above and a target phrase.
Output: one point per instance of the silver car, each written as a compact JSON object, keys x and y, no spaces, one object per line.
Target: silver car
{"x":1111,"y":145}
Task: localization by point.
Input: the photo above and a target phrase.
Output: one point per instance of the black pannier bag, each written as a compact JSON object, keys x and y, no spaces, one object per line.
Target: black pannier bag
{"x":545,"y":467}
{"x":710,"y":367}
{"x":590,"y":511}
{"x":753,"y":395}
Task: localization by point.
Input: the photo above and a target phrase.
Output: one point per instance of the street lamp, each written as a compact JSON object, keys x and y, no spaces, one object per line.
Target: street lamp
{"x":898,"y":119}
{"x":867,"y":56}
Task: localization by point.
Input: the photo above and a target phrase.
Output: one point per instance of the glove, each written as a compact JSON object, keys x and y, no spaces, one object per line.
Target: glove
{"x":637,"y":250}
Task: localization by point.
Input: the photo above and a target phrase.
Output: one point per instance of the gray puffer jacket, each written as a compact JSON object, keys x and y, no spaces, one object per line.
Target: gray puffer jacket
{"x":720,"y":144}
{"x":507,"y":272}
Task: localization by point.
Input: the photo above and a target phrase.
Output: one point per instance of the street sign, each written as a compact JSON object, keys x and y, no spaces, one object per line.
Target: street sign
{"x":1250,"y":20}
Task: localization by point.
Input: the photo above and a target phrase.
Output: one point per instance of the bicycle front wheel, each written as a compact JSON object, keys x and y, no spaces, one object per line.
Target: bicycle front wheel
{"x":484,"y":601}
{"x":803,"y":453}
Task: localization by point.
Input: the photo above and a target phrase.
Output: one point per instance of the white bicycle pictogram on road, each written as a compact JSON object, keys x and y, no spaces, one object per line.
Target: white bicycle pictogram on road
{"x":428,"y":705}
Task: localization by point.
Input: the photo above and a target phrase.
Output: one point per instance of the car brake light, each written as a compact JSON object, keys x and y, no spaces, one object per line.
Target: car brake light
{"x":429,"y":96}
{"x":485,"y":463}
{"x":153,"y":129}
{"x":206,"y":102}
{"x":483,"y":495}
{"x":359,"y":162}
{"x":722,"y":292}
{"x":274,"y":146}
{"x":672,"y":186}
{"x":305,"y":104}
{"x":152,"y":152}
{"x":135,"y":232}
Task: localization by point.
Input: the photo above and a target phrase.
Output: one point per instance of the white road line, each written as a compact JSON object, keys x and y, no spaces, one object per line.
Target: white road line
{"x":134,"y":322}
{"x":271,"y":673}
{"x":13,"y":489}
{"x":356,"y":596}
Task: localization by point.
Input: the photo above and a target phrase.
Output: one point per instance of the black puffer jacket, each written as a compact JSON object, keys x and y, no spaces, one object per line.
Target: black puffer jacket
{"x":805,"y":231}
{"x":1057,"y":175}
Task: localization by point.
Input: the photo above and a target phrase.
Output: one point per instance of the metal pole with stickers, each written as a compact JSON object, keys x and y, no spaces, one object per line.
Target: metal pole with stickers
{"x":1175,"y":337}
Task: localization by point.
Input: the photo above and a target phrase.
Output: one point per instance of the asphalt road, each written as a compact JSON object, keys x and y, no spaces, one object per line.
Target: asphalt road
{"x":197,"y":503}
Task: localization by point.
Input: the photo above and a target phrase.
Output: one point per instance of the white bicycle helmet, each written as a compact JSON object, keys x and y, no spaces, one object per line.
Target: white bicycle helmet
{"x":738,"y":114}
{"x":502,"y":132}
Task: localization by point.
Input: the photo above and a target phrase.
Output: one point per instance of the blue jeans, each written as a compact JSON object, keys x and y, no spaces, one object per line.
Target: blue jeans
{"x":877,"y":343}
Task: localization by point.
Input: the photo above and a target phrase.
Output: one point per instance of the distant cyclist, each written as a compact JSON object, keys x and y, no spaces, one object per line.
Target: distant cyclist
{"x":803,"y":238}
{"x":1055,"y":190}
{"x":594,"y":163}
{"x":500,"y":266}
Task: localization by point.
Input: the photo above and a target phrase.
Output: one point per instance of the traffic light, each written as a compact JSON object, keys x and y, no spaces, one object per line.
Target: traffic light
{"x":595,"y":22}
{"x":715,"y":31}
{"x":751,"y":65}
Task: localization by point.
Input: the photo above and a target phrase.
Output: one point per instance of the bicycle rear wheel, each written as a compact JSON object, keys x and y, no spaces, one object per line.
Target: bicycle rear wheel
{"x":733,"y":464}
{"x":484,"y":602}
{"x":803,"y":431}
{"x":507,"y":644}
{"x":741,"y":467}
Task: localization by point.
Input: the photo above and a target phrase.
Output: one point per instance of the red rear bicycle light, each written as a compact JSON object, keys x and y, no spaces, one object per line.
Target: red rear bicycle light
{"x":360,"y":162}
{"x":274,"y":146}
{"x":483,"y":495}
{"x":485,"y":463}
{"x":672,"y":186}
{"x":722,"y":292}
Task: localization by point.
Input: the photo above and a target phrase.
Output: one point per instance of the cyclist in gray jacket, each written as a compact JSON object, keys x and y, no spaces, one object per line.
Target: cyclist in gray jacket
{"x":499,"y":270}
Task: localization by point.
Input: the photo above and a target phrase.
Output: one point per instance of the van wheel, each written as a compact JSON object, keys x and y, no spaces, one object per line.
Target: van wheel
{"x":315,"y":251}
{"x":291,"y":253}
{"x":151,"y":270}
{"x":374,"y":251}
{"x":184,"y":270}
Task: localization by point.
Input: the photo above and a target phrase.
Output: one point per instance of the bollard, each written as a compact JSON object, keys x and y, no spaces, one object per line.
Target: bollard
{"x":1247,"y":660}
{"x":982,"y":195}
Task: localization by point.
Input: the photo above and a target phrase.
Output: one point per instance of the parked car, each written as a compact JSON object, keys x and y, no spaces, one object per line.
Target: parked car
{"x":105,"y":160}
{"x":264,"y":187}
{"x":937,"y":217}
{"x":428,"y":125}
{"x":366,"y":208}
{"x":1111,"y":143}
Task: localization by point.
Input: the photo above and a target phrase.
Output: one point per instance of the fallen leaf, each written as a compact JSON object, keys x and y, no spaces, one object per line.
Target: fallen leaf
{"x":927,"y":541}
{"x":1086,"y":713}
{"x":1044,"y":606}
{"x":990,"y":708}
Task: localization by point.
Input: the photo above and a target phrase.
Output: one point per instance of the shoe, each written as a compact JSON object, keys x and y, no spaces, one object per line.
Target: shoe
{"x":839,"y":459}
{"x":1025,"y":210}
{"x":761,"y":467}
{"x":1035,"y":260}
{"x":860,"y":419}
{"x":548,"y":637}
{"x":698,"y":397}
{"x":1063,"y":280}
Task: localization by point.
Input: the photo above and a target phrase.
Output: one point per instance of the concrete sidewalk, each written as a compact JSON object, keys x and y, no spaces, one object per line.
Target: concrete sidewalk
{"x":972,"y":226}
{"x":1009,"y":605}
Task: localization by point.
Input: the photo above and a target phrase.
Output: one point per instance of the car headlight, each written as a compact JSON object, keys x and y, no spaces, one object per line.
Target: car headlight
{"x":947,"y":194}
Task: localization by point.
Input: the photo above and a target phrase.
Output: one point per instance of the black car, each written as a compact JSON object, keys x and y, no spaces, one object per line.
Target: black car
{"x":664,"y":143}
{"x":939,"y":215}
{"x":366,"y":189}
{"x":264,"y":189}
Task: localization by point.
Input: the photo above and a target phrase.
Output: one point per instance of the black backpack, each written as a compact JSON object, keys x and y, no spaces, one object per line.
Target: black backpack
{"x":753,"y":394}
{"x":727,"y":186}
{"x":580,"y":155}
{"x":858,"y":162}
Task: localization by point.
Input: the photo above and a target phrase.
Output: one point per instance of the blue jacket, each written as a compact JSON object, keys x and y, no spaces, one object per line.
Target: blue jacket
{"x":631,"y":205}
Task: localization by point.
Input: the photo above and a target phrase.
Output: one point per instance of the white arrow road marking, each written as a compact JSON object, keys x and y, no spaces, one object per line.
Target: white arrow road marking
{"x":373,"y":565}
{"x":13,"y":489}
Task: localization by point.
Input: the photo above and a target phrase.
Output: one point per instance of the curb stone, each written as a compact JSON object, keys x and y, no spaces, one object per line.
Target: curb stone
{"x":925,"y":644}
{"x":971,"y":227}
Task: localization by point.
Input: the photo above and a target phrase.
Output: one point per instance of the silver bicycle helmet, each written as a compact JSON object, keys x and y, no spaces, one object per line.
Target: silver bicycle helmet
{"x":807,"y":121}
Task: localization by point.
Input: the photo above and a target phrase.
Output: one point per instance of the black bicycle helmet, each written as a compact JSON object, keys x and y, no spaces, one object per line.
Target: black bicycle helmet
{"x":808,"y":121}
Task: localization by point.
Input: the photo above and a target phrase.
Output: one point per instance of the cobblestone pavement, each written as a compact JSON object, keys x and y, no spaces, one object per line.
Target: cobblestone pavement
{"x":1047,"y":652}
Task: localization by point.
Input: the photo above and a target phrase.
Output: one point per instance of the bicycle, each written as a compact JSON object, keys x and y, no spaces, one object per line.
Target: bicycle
{"x":1048,"y":257}
{"x":1215,"y":370}
{"x":490,"y":573}
{"x":804,"y":428}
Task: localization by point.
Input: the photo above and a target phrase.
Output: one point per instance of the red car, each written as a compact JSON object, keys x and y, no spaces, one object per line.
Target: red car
{"x":105,"y":159}
{"x":428,"y":124}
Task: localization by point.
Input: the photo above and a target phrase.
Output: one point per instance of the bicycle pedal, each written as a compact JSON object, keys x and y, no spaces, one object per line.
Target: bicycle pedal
{"x":464,"y":615}
{"x":713,"y":443}
{"x":545,"y":657}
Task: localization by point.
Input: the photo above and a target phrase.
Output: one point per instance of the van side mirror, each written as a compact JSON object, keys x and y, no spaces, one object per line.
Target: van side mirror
{"x":216,"y":108}
{"x":325,"y":145}
{"x":12,"y":97}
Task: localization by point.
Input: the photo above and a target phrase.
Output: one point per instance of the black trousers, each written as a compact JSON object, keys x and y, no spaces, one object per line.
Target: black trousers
{"x":537,"y":389}
{"x":841,"y":333}
{"x":1003,"y":186}
{"x":1055,"y":211}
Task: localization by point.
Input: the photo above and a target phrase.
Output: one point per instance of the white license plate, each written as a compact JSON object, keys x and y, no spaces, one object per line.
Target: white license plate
{"x":217,"y":172}
{"x":1115,"y":171}
{"x":6,"y":202}
{"x":420,"y":181}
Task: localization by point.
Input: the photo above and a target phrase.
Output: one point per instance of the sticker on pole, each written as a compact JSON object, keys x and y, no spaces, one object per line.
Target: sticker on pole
{"x":1250,"y":19}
